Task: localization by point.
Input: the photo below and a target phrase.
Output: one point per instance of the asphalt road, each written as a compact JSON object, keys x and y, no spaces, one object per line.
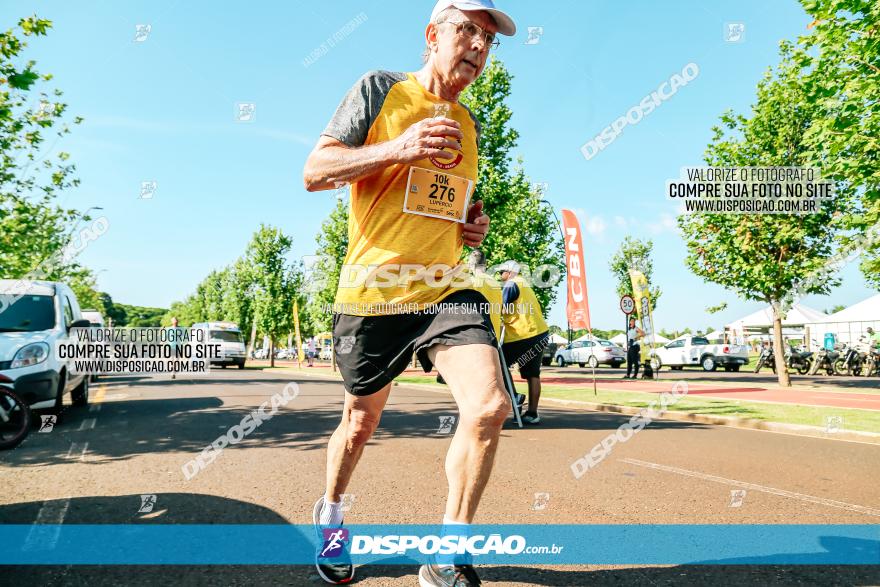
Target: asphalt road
{"x":96,"y":464}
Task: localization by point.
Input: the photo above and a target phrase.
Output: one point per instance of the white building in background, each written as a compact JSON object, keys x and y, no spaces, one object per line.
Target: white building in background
{"x":847,"y":325}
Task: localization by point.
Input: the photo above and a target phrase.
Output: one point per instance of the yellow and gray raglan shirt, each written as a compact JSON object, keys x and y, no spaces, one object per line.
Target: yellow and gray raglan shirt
{"x":406,"y":214}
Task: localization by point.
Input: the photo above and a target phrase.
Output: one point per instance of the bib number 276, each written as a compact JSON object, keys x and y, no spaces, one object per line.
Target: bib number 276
{"x":441,"y":188}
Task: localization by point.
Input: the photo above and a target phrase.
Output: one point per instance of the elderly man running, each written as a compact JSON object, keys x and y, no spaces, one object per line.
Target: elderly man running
{"x":409,"y":150}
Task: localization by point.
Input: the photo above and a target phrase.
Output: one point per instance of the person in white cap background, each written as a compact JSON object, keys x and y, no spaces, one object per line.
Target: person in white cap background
{"x":526,"y":334}
{"x":394,"y":136}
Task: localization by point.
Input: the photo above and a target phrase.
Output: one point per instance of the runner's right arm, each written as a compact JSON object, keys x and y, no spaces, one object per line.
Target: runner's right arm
{"x":332,"y":162}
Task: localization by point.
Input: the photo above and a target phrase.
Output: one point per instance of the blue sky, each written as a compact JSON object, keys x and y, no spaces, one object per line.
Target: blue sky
{"x":164,"y":110}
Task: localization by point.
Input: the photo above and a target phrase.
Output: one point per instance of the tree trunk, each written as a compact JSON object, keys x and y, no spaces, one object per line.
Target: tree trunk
{"x":778,"y":349}
{"x":271,"y":352}
{"x":250,"y":351}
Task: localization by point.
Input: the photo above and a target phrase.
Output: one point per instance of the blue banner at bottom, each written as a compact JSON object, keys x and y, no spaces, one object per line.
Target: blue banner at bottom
{"x":155,"y":544}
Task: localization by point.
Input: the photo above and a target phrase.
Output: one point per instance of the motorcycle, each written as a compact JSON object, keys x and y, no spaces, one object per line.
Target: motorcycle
{"x":15,"y":416}
{"x":849,"y":362}
{"x":870,"y":357}
{"x":823,"y":359}
{"x":766,"y":359}
{"x":799,"y":360}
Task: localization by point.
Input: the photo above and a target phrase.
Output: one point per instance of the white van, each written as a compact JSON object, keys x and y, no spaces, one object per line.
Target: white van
{"x":96,"y":320}
{"x":230,"y":339}
{"x":94,"y":317}
{"x":34,"y":317}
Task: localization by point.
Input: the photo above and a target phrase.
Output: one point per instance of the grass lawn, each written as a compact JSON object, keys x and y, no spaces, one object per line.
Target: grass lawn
{"x":860,"y":420}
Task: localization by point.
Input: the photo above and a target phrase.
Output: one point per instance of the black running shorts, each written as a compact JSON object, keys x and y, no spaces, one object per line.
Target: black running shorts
{"x":372,"y":350}
{"x":527,"y":354}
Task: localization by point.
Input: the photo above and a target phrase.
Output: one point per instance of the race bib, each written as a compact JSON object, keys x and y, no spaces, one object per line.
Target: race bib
{"x":437,"y":194}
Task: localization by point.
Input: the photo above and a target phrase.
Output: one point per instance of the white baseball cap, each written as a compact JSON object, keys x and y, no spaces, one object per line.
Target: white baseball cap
{"x":505,"y":24}
{"x":511,"y":266}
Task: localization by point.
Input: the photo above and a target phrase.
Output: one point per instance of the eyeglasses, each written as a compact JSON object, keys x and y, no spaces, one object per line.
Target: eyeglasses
{"x":471,"y":30}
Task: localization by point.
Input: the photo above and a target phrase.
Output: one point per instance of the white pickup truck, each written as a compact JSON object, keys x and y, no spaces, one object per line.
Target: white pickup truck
{"x":696,"y":350}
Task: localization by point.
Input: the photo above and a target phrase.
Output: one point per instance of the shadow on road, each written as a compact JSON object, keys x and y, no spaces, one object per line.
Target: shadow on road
{"x":168,"y":508}
{"x":132,"y":427}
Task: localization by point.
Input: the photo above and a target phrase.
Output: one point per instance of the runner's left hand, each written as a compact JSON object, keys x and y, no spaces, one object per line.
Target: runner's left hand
{"x":477,"y":225}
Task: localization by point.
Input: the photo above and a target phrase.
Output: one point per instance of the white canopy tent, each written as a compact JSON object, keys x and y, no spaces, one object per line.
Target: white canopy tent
{"x":557,"y":339}
{"x":848,"y":325}
{"x":758,"y":326}
{"x":715,"y":336}
{"x":762,"y":320}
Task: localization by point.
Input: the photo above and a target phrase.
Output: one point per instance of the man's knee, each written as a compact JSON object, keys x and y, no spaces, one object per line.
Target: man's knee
{"x":359,"y":427}
{"x":493,"y":410}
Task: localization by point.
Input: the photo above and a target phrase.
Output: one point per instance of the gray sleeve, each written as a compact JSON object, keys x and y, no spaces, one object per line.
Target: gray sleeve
{"x":360,"y":107}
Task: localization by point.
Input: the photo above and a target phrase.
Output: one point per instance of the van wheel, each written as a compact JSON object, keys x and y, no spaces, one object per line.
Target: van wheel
{"x":241,"y":365}
{"x":80,"y":394}
{"x":560,"y":362}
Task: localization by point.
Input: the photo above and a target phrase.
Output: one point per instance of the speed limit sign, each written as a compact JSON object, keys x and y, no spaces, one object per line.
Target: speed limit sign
{"x":627,"y":304}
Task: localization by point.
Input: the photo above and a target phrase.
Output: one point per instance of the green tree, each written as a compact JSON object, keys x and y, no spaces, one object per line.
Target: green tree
{"x":523,"y":228}
{"x":840,"y":63}
{"x":275,"y":283}
{"x":34,"y":230}
{"x":634,"y":254}
{"x":322,"y":270}
{"x":237,"y":303}
{"x":764,"y":256}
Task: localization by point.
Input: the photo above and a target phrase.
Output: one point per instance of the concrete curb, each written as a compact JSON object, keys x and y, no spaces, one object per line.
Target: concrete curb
{"x":729,"y":421}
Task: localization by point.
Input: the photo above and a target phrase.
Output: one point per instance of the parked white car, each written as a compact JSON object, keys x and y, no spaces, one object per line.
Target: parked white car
{"x":696,"y":351}
{"x":35,"y":317}
{"x":590,"y":352}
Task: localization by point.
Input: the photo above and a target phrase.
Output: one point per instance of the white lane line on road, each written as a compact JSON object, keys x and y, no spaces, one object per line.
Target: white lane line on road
{"x":45,"y":531}
{"x":78,"y":450}
{"x":755,"y":487}
{"x":87,"y":424}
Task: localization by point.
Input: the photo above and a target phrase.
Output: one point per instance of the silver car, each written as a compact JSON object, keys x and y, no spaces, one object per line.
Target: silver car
{"x":590,"y":352}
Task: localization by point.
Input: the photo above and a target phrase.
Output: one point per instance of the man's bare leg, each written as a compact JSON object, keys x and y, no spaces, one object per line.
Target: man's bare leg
{"x":473,"y":374}
{"x":360,"y":417}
